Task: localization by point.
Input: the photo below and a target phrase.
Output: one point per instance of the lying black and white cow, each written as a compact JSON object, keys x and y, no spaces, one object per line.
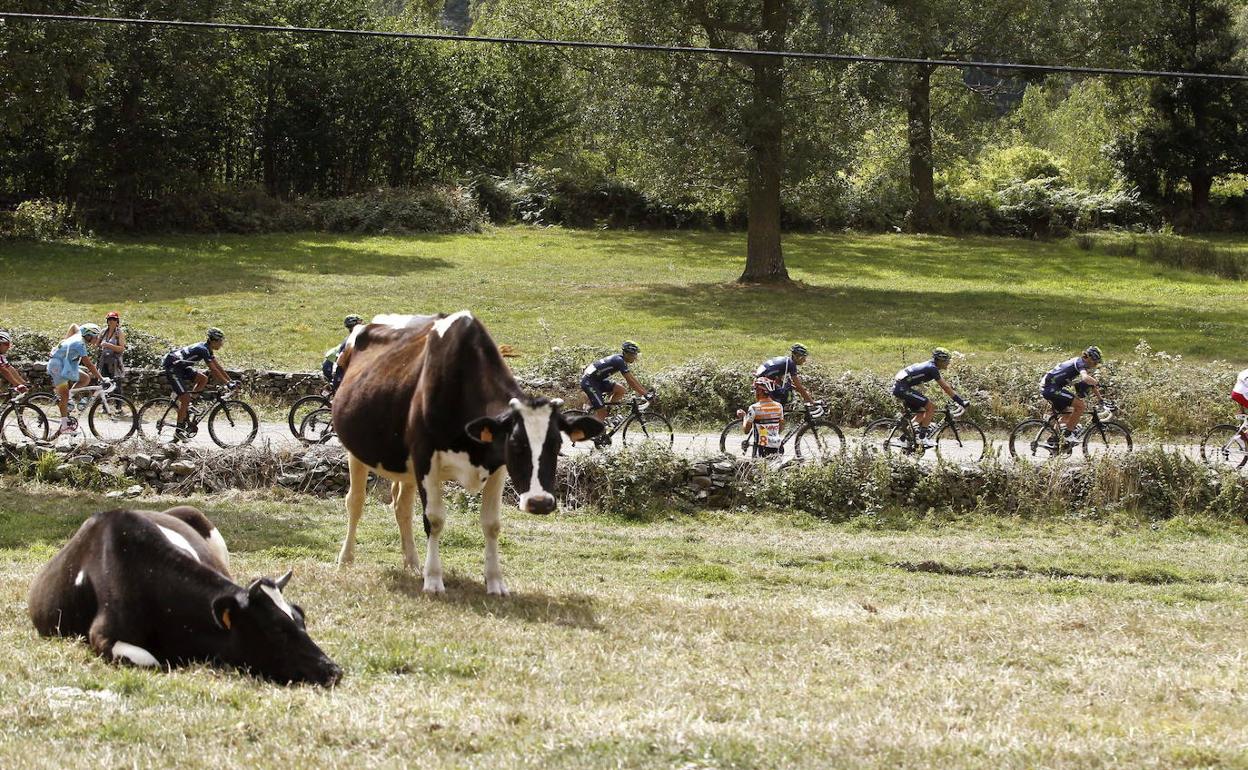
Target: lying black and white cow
{"x":430,"y":399}
{"x":153,"y":589}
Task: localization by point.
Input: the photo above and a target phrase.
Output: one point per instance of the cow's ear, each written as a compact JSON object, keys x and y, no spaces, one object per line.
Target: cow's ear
{"x":581,"y":428}
{"x":485,"y":430}
{"x":225,"y":610}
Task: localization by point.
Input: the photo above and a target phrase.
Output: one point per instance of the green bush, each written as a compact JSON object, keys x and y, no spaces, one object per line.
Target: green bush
{"x":433,"y":209}
{"x":630,"y":482}
{"x":540,"y":196}
{"x":1172,"y":251}
{"x":40,"y":220}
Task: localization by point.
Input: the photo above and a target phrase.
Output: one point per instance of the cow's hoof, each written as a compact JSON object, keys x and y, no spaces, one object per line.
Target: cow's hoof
{"x":495,"y":588}
{"x":346,"y":560}
{"x":433,"y":585}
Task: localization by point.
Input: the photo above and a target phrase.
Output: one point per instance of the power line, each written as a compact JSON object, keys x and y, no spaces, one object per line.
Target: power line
{"x":643,"y":47}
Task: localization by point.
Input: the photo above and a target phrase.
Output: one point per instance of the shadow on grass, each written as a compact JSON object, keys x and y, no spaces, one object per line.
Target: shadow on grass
{"x":572,"y":610}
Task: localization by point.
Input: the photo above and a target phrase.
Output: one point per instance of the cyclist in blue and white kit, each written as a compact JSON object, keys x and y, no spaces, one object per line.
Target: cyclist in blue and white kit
{"x":180,"y":372}
{"x":64,"y":367}
{"x":1077,"y":370}
{"x":906,"y":382}
{"x":597,"y":384}
{"x":782,"y":370}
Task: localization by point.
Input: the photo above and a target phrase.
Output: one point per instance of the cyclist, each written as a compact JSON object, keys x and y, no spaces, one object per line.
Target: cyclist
{"x":180,"y":372}
{"x":1077,"y":370}
{"x":9,"y":372}
{"x":1239,"y":394}
{"x":64,"y":367}
{"x":906,"y":382}
{"x":766,"y":418}
{"x":597,"y":384}
{"x":329,"y":367}
{"x":782,"y":371}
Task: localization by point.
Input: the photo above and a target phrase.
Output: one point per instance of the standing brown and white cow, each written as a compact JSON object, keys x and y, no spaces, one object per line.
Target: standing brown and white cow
{"x":430,"y":399}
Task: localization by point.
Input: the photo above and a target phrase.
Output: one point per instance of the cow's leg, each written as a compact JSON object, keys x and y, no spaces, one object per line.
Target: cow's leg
{"x":404,"y":494}
{"x":435,"y":518}
{"x":491,"y":523}
{"x":104,"y":639}
{"x":356,"y":493}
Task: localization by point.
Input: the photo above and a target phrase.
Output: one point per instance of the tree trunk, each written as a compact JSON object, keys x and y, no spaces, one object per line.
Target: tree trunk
{"x":919,"y":131}
{"x":764,"y":260}
{"x":1201,"y":183}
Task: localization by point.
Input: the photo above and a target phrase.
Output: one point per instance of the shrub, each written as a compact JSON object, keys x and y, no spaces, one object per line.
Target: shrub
{"x":630,"y":482}
{"x":40,"y":220}
{"x":433,"y":209}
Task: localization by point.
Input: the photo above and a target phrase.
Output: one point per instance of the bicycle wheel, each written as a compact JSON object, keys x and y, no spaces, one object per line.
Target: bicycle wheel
{"x":232,"y":423}
{"x":317,"y":427}
{"x":24,"y":421}
{"x":735,"y":442}
{"x":301,"y":409}
{"x":1107,"y":439}
{"x":885,"y":435}
{"x":961,"y":440}
{"x":1035,"y":440}
{"x":1222,"y":446}
{"x":818,"y":440}
{"x":158,"y":418}
{"x":113,"y":418}
{"x":647,"y":426}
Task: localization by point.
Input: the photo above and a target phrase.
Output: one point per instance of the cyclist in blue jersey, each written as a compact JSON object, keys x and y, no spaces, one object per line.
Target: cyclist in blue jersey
{"x":335,"y":365}
{"x":1078,"y":371}
{"x":180,"y":373}
{"x":906,"y":382}
{"x":782,"y":370}
{"x":597,"y":384}
{"x":64,"y":367}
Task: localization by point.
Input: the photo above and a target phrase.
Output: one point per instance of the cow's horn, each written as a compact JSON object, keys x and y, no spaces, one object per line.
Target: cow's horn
{"x":557,"y":403}
{"x":515,"y":404}
{"x":284,"y":579}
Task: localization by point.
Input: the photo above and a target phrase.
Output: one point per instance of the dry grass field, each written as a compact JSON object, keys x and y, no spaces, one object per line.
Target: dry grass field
{"x":733,"y":640}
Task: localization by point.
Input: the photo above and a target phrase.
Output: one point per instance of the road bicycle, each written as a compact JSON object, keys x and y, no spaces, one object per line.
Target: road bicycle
{"x":952,"y":435}
{"x":812,"y":436}
{"x":1226,"y":445}
{"x":642,"y":423}
{"x":110,"y":416}
{"x":317,"y":427}
{"x":20,"y":419}
{"x":231,"y":422}
{"x":304,"y":408}
{"x":1044,"y":439}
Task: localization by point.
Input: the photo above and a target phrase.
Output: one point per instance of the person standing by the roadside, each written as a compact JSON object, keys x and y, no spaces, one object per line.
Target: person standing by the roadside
{"x":112,"y":348}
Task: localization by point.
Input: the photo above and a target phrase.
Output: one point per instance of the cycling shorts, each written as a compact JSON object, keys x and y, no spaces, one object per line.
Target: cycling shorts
{"x":180,"y":378}
{"x":597,"y":390}
{"x":913,"y":399}
{"x":1061,"y":399}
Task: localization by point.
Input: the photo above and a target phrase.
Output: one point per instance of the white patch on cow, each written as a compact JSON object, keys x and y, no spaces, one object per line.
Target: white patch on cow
{"x":216,"y":544}
{"x":82,"y":578}
{"x":136,"y":655}
{"x":178,"y":541}
{"x":443,"y":325}
{"x":278,"y":599}
{"x":458,"y":467}
{"x":399,"y":321}
{"x":536,"y":423}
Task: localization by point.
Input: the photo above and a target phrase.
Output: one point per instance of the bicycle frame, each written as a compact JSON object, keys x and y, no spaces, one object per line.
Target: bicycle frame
{"x":94,"y":393}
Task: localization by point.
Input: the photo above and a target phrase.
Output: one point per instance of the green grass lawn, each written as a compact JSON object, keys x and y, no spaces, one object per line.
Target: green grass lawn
{"x":726,"y":640}
{"x":862,"y":299}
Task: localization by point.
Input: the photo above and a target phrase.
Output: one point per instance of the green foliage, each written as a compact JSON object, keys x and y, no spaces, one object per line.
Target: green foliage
{"x":1170,"y":250}
{"x":436,"y":209}
{"x":631,"y":482}
{"x":39,"y":220}
{"x":1077,"y":122}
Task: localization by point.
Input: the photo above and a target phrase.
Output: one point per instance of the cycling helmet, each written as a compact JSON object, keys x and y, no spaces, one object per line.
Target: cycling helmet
{"x":89,"y":331}
{"x":113,"y":315}
{"x":352,"y":321}
{"x":764,"y":384}
{"x":215,"y":334}
{"x":1093,"y":353}
{"x":630,"y":347}
{"x":799,"y":349}
{"x":6,"y":337}
{"x":940,"y":354}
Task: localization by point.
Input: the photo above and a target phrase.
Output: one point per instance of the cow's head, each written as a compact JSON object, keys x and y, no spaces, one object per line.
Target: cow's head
{"x":527,"y":436}
{"x":267,"y":635}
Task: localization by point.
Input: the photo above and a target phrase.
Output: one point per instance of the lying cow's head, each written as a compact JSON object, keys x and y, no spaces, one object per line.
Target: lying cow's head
{"x":268,"y":636}
{"x":527,"y":435}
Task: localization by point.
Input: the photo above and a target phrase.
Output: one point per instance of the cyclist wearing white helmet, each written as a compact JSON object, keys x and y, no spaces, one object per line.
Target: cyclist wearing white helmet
{"x":7,"y":370}
{"x":65,"y":369}
{"x":1077,"y":370}
{"x":180,"y":372}
{"x":597,"y":384}
{"x":906,"y":382}
{"x":782,"y":371}
{"x":764,"y":418}
{"x":335,"y":364}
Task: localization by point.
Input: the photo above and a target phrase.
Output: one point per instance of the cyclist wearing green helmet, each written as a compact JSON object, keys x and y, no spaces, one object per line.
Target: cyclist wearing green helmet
{"x":1077,"y":370}
{"x":64,"y":367}
{"x":596,"y":379}
{"x":906,"y":382}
